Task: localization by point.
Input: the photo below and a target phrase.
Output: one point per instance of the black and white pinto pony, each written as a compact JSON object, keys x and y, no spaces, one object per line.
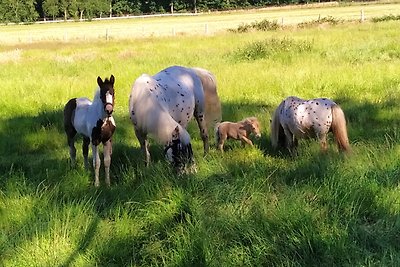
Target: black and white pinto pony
{"x":162,"y":106}
{"x":95,"y":122}
{"x":297,"y":118}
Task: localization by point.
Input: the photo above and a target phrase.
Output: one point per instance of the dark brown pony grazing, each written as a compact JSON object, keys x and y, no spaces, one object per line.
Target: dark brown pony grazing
{"x":95,"y":122}
{"x":237,"y":130}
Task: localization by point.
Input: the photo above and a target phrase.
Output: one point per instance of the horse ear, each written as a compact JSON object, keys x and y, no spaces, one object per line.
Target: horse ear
{"x":112,"y":79}
{"x":175,"y":133}
{"x":99,"y":81}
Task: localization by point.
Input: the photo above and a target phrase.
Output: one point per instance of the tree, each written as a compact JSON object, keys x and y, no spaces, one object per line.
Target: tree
{"x":64,"y":4}
{"x":18,"y":11}
{"x":51,"y":8}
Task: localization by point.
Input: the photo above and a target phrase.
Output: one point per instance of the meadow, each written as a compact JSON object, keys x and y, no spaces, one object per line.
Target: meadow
{"x":250,"y":206}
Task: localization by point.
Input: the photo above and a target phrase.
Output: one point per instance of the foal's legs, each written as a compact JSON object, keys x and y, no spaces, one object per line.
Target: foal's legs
{"x":221,"y":140}
{"x":144,"y":145}
{"x":107,"y":160}
{"x":85,"y":151}
{"x":245,"y":140}
{"x":96,"y":165}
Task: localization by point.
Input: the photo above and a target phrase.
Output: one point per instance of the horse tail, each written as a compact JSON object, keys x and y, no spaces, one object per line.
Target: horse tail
{"x":216,"y":132}
{"x":339,"y":128}
{"x":212,"y":105}
{"x":69,"y":111}
{"x":277,"y":133}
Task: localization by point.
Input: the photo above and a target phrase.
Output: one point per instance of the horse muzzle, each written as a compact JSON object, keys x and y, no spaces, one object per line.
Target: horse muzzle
{"x":109,"y":108}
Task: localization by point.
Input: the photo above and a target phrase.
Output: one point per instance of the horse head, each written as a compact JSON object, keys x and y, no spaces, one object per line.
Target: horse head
{"x":107,"y":94}
{"x":254,"y":126}
{"x":179,"y":152}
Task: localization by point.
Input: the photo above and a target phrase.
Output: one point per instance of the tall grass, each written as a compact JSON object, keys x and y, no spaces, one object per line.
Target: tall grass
{"x":249,"y":206}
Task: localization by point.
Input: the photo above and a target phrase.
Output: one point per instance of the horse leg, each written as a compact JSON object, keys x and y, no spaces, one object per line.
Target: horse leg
{"x":144,"y":145}
{"x":85,"y":151}
{"x":96,"y":165}
{"x":291,"y":141}
{"x":203,"y":130}
{"x":323,"y":143}
{"x":107,"y":160}
{"x":72,"y":149}
{"x":221,"y":141}
{"x":245,"y":140}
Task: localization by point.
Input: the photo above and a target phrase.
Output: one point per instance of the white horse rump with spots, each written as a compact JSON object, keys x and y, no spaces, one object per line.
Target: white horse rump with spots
{"x":95,"y":122}
{"x":297,"y":118}
{"x":163,"y":104}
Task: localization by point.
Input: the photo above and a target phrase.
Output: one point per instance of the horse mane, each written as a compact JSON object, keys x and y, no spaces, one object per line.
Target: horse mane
{"x":96,"y":93}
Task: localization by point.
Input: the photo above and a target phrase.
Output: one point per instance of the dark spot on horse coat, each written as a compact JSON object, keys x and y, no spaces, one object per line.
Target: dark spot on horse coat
{"x":69,"y":112}
{"x":102,"y":132}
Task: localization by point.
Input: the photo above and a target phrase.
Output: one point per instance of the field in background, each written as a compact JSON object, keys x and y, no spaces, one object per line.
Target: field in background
{"x":203,"y":24}
{"x":251,"y":206}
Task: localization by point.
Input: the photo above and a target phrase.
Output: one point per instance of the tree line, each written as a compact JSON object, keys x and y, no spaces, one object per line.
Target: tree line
{"x":27,"y":11}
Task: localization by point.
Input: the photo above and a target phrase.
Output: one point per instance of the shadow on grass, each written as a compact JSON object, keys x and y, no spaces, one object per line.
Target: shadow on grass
{"x":345,"y":204}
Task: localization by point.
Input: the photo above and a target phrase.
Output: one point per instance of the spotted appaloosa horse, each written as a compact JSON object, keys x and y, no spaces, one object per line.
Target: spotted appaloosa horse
{"x":240,"y":130}
{"x":95,"y":122}
{"x":162,"y":106}
{"x":297,"y":118}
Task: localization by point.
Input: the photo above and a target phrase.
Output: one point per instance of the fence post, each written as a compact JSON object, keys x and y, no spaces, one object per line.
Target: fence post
{"x":107,"y":34}
{"x":173,"y":31}
{"x":362,"y":15}
{"x":206,"y":28}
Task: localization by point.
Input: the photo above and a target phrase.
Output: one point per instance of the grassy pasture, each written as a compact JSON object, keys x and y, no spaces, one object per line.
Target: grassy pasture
{"x":246,"y":207}
{"x":203,"y":23}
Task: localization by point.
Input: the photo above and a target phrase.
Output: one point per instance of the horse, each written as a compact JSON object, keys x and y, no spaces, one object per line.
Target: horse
{"x":296,"y":118}
{"x":94,"y":121}
{"x":163,"y":104}
{"x":240,"y":130}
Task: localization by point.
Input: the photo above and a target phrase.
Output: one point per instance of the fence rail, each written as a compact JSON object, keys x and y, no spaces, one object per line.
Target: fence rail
{"x":160,"y":26}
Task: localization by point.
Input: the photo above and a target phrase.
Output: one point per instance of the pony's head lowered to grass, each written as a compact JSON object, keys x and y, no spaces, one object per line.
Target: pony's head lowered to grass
{"x":179,"y":151}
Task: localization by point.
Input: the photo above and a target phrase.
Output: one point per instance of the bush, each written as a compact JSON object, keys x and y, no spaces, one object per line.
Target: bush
{"x":264,"y":25}
{"x":271,"y":47}
{"x":386,"y":18}
{"x":325,"y":20}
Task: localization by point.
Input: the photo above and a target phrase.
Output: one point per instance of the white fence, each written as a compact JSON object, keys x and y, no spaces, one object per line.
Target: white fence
{"x":183,"y":24}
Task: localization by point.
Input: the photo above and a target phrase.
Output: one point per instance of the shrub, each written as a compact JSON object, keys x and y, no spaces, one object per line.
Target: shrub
{"x":271,"y":47}
{"x":325,"y":20}
{"x":386,"y":18}
{"x":264,"y":25}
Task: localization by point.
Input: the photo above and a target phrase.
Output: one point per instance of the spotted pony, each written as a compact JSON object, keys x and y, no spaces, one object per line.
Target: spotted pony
{"x":297,"y":118}
{"x":163,"y":104}
{"x":94,"y":121}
